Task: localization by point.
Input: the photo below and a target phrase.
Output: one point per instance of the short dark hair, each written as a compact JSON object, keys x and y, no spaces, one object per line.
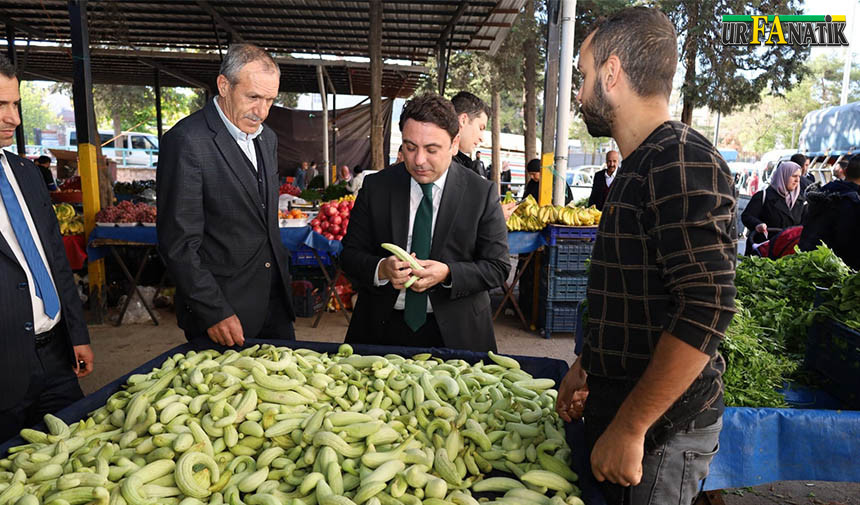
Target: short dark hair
{"x":7,"y":68}
{"x":843,"y":164}
{"x":644,"y":40}
{"x":533,"y":165}
{"x":43,"y":159}
{"x":431,"y":108}
{"x":465,"y":102}
{"x":799,"y":158}
{"x":357,"y":170}
{"x":853,"y":170}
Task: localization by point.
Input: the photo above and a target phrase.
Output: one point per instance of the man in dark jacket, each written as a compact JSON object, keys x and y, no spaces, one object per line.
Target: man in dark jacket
{"x":603,"y":179}
{"x":44,"y":342}
{"x":834,"y":217}
{"x":472,"y":114}
{"x":218,"y":209}
{"x":806,"y":178}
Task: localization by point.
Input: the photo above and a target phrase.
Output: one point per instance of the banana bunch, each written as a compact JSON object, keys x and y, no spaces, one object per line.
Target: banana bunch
{"x":346,"y":198}
{"x":578,"y":216}
{"x":509,"y":198}
{"x":70,"y":223}
{"x":525,"y":223}
{"x":529,"y":216}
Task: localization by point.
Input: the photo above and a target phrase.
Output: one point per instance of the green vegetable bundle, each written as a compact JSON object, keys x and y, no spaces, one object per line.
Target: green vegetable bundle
{"x":270,"y":425}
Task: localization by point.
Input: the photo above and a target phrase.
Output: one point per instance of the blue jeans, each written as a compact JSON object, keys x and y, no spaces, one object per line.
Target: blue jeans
{"x":671,"y":473}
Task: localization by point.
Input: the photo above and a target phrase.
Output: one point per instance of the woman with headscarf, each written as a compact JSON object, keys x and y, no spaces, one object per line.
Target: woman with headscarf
{"x":777,"y":207}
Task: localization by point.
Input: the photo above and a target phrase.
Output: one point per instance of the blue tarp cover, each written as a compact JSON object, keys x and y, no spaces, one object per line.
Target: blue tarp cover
{"x":524,"y":242}
{"x":834,"y":129}
{"x":292,"y":238}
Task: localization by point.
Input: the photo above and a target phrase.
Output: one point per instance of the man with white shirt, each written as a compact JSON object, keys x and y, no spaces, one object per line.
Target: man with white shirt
{"x":44,"y":342}
{"x":603,"y":180}
{"x":450,"y":219}
{"x":217,"y":191}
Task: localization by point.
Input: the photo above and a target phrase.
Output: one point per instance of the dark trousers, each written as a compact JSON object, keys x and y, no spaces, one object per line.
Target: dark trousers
{"x":53,"y":387}
{"x":397,"y":332}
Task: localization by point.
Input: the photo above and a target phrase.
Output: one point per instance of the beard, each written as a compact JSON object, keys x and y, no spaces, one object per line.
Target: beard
{"x":598,"y":114}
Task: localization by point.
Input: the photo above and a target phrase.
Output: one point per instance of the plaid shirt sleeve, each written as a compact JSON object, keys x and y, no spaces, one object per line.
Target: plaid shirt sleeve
{"x":690,"y":207}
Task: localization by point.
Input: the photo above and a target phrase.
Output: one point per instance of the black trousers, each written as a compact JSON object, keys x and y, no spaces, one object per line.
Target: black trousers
{"x":53,"y":387}
{"x":397,"y":332}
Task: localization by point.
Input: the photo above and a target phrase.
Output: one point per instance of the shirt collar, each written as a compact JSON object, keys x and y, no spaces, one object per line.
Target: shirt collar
{"x":234,"y":130}
{"x":439,"y":183}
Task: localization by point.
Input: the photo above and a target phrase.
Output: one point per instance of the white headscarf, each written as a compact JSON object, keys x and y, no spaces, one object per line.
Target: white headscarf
{"x":779,"y":182}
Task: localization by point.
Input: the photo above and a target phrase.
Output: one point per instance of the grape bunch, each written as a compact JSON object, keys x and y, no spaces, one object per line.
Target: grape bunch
{"x":127,"y":212}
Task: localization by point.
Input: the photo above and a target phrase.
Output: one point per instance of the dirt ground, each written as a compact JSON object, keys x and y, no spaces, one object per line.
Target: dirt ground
{"x":121,"y":349}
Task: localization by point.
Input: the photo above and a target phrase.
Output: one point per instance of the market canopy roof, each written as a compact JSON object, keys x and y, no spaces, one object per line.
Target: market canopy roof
{"x":411,"y":31}
{"x":124,"y":66}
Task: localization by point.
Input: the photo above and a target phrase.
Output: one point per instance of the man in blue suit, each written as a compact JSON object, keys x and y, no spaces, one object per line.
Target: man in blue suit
{"x":44,"y":342}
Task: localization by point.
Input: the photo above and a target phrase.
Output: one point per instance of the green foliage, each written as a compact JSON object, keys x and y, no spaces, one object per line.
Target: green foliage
{"x":780,"y":294}
{"x":727,"y":78}
{"x":134,"y":106}
{"x":37,"y":114}
{"x":755,"y":367}
{"x":776,"y":120}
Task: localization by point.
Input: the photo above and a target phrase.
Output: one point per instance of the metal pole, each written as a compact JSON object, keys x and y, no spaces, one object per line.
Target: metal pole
{"x":13,"y":58}
{"x":326,"y":164}
{"x":717,"y":130}
{"x":377,"y":129}
{"x":550,"y":92}
{"x":88,"y":139}
{"x":334,"y":129}
{"x":846,"y":70}
{"x":565,"y":76}
{"x":158,"y":123}
{"x":496,"y":158}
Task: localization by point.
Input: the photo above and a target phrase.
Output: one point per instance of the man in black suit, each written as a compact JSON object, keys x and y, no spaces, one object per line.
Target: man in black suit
{"x":450,"y":219}
{"x":472,"y":114}
{"x":217,"y":209}
{"x":603,"y":180}
{"x":44,"y":342}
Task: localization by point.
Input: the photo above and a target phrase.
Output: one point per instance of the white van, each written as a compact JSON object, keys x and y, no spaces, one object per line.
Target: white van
{"x":128,"y":149}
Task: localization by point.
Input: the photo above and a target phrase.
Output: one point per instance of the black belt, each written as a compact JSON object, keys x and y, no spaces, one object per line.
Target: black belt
{"x":43,"y":339}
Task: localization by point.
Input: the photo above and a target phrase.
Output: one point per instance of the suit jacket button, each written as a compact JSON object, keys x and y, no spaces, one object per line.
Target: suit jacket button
{"x":22,"y":286}
{"x":28,"y":326}
{"x":268,"y":265}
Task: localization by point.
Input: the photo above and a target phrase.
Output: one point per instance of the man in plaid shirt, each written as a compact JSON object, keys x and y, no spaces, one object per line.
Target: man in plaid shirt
{"x":661,"y":289}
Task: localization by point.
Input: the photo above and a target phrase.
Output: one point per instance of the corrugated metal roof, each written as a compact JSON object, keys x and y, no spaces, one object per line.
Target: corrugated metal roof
{"x":411,"y":29}
{"x":124,"y":66}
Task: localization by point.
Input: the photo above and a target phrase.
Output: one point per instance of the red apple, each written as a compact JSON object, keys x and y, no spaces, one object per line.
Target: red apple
{"x":351,"y":204}
{"x":324,"y":225}
{"x":329,"y":236}
{"x":336,"y":219}
{"x":344,"y":214}
{"x":317,"y":229}
{"x":331,"y":210}
{"x":345,"y":224}
{"x":315,"y":222}
{"x":343,"y":205}
{"x":334,"y":229}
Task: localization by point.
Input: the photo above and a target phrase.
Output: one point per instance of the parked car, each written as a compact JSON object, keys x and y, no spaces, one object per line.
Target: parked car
{"x":127,"y":149}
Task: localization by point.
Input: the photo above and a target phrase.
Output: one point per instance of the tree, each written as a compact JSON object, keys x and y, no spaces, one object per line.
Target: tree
{"x":37,"y":114}
{"x":727,"y":78}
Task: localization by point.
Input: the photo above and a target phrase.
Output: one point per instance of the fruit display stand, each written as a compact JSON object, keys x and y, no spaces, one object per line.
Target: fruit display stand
{"x":105,"y":239}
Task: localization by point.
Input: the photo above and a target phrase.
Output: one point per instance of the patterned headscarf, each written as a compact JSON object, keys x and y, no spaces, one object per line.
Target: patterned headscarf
{"x":779,"y":182}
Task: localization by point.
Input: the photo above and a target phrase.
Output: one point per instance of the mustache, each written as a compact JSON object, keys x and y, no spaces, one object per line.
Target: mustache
{"x":252,"y":117}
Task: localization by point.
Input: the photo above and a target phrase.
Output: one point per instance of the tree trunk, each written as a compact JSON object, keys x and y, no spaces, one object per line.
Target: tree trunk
{"x":496,"y":139}
{"x":688,"y":90}
{"x":529,"y":81}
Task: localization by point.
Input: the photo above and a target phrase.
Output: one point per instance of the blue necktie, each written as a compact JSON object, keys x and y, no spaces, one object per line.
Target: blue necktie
{"x":41,"y":277}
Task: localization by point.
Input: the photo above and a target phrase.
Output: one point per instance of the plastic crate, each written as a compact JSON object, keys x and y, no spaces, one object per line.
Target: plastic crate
{"x":560,"y":318}
{"x":304,"y":257}
{"x":833,"y":350}
{"x":555,"y":233}
{"x":307,"y":299}
{"x":570,"y":256}
{"x":566,"y":288}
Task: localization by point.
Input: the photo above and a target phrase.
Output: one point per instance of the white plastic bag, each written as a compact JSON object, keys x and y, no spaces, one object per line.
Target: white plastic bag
{"x":136,"y":312}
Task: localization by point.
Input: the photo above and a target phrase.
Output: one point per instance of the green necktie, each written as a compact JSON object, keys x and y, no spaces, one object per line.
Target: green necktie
{"x":416,"y":303}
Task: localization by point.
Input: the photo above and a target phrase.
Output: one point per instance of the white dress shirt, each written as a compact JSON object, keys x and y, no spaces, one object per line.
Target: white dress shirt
{"x":415,"y":196}
{"x":245,"y":141}
{"x":41,"y":321}
{"x":610,"y":178}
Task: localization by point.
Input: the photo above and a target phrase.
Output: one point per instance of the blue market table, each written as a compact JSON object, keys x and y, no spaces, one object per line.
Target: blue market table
{"x":105,"y":239}
{"x":520,"y":242}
